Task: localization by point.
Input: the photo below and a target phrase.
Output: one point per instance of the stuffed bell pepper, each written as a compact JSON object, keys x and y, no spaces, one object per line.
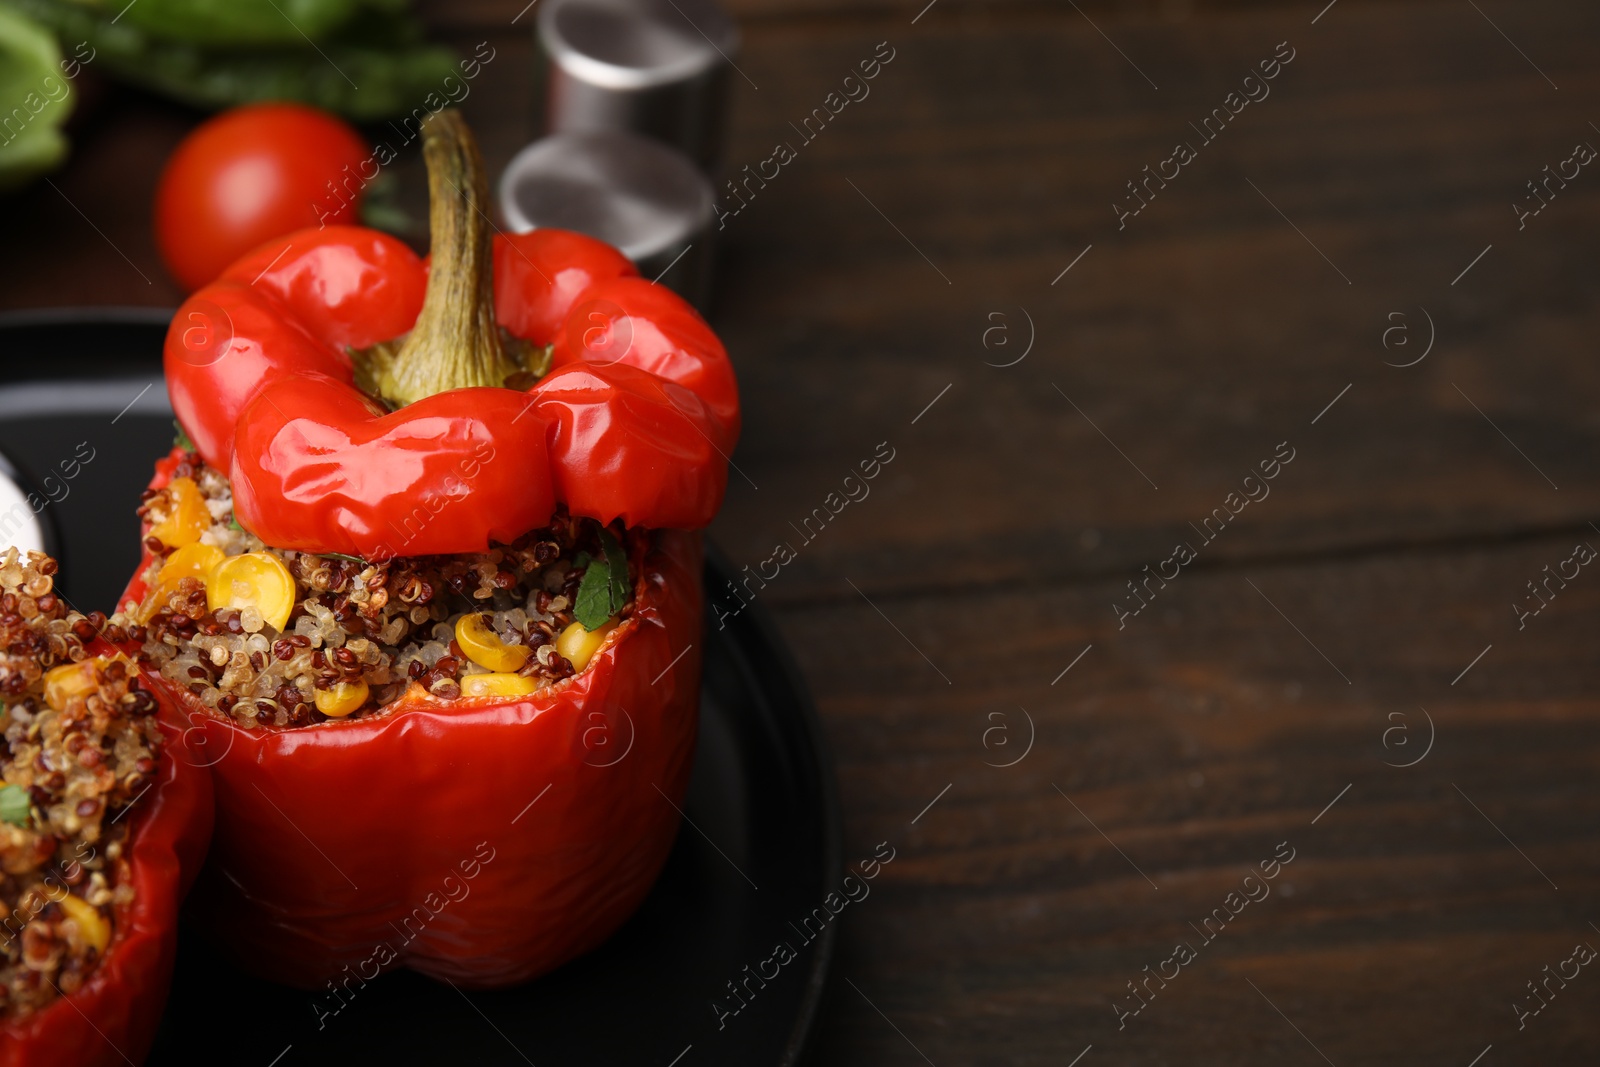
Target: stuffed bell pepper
{"x":103,"y":822}
{"x":425,"y":575}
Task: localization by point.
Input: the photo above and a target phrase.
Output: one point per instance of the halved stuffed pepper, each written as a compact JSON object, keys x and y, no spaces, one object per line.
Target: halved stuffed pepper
{"x":104,"y":817}
{"x":424,"y":576}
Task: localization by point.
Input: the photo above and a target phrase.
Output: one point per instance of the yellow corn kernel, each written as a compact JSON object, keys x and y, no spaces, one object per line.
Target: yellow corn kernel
{"x":70,"y":680}
{"x":92,"y":926}
{"x":187,"y":515}
{"x":155,"y":598}
{"x":578,"y":645}
{"x":497,"y":685}
{"x":255,"y":579}
{"x":342,"y":699}
{"x":484,"y":647}
{"x":190,"y":561}
{"x":63,"y":683}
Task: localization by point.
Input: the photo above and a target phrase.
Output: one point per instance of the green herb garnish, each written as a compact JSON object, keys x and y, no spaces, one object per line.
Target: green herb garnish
{"x":604,"y":588}
{"x":182,"y":439}
{"x":16,"y":807}
{"x":347,"y":559}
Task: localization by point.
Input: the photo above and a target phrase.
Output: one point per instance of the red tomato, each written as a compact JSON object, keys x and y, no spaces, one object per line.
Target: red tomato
{"x":252,"y":174}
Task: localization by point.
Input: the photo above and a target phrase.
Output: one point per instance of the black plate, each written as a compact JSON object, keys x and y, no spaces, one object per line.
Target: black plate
{"x":762,"y":792}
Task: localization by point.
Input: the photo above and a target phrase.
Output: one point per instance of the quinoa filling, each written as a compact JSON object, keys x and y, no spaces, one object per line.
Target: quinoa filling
{"x":81,"y":748}
{"x":279,"y":638}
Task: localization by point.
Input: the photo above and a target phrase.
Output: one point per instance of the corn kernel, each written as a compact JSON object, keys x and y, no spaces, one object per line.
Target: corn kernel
{"x":484,"y":647}
{"x":70,"y":680}
{"x":92,"y":926}
{"x":578,"y":645}
{"x":497,"y":685}
{"x":255,"y":579}
{"x":342,"y":699}
{"x":187,"y":517}
{"x":63,"y":683}
{"x":190,"y":561}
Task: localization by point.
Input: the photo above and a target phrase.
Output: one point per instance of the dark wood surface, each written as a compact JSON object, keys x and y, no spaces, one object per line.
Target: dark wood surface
{"x":1303,"y":653}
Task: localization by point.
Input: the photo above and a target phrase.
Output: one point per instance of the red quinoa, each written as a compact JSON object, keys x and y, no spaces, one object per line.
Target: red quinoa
{"x":81,"y":748}
{"x":389,"y":624}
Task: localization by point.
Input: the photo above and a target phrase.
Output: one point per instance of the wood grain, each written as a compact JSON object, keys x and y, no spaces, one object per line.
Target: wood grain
{"x":1197,"y":740}
{"x":1196,"y":339}
{"x":1174,"y":356}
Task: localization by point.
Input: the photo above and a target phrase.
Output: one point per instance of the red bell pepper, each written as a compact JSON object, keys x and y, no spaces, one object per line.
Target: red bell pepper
{"x":634,"y":419}
{"x":478,"y":840}
{"x":112,"y":1018}
{"x":483,"y":840}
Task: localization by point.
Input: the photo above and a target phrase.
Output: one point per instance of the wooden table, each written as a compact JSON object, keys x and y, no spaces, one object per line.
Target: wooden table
{"x":1339,"y":672}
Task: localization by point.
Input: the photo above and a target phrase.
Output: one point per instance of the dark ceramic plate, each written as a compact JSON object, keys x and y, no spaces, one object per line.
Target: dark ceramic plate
{"x":763,"y":849}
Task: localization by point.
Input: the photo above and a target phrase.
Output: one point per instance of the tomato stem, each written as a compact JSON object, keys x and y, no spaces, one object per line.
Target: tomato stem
{"x":456,"y":342}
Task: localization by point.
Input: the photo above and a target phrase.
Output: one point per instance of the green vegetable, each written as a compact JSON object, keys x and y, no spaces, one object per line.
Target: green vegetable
{"x":181,"y":438}
{"x":364,"y":59}
{"x":604,"y":587}
{"x":35,"y":99}
{"x":16,"y":807}
{"x":235,"y":22}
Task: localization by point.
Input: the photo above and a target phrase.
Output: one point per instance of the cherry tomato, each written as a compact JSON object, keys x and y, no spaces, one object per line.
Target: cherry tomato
{"x":249,"y":175}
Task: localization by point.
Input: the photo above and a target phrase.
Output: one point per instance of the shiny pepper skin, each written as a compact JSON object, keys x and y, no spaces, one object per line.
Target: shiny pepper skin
{"x":396,"y":803}
{"x":634,"y":420}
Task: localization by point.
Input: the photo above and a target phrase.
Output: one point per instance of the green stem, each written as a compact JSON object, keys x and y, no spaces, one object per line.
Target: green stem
{"x":456,"y":342}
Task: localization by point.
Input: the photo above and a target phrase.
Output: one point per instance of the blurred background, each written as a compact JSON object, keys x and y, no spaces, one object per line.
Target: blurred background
{"x":1088,"y":270}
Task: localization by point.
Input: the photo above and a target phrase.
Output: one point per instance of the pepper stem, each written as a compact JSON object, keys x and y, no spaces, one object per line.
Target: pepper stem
{"x":456,"y":342}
